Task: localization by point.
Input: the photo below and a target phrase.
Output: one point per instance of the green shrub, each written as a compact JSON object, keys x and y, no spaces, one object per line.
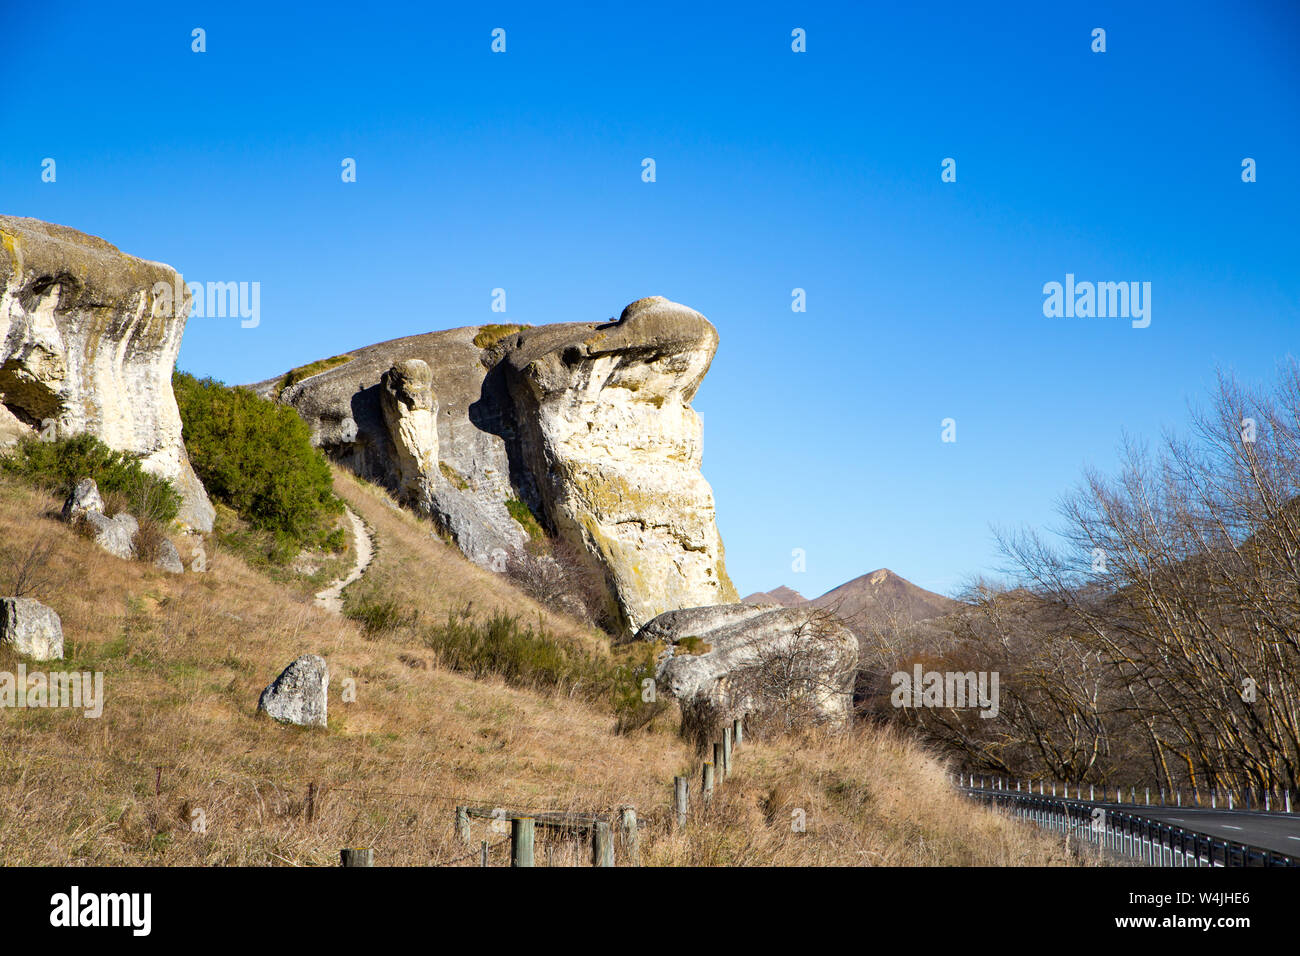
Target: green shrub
{"x":58,"y":465}
{"x":256,"y":457}
{"x":627,"y":689}
{"x":519,"y":653}
{"x":382,"y":615}
{"x":490,"y":335}
{"x":294,"y":376}
{"x":524,"y":515}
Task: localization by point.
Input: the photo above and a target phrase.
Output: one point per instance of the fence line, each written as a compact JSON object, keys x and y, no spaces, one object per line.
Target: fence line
{"x":526,"y":822}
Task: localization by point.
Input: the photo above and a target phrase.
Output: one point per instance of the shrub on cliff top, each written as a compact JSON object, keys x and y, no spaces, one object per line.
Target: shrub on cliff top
{"x":256,"y":457}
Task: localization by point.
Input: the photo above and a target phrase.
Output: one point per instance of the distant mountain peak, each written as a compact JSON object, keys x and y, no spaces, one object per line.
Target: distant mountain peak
{"x":784,"y":596}
{"x":881,"y":597}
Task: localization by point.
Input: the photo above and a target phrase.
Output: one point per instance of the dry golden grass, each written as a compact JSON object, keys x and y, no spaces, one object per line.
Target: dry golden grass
{"x":868,"y":797}
{"x":184,"y":658}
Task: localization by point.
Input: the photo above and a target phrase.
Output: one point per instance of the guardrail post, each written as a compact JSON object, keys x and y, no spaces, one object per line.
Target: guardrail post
{"x":1148,"y":796}
{"x":1178,"y":794}
{"x":1229,"y":799}
{"x":521,"y":841}
{"x":1288,"y":801}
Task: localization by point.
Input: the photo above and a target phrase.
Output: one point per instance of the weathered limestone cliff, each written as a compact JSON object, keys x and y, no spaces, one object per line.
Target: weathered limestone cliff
{"x":587,"y":425}
{"x":87,"y":344}
{"x":614,"y":447}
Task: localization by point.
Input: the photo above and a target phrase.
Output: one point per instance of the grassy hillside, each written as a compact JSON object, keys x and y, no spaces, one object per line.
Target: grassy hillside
{"x":185,"y":657}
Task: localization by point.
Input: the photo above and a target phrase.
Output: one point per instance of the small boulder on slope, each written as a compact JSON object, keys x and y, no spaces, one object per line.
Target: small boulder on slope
{"x":300,"y":694}
{"x":31,"y":628}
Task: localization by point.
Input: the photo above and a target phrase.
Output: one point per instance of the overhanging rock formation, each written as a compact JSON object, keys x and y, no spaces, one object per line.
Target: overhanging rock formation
{"x":88,"y":344}
{"x":587,"y":425}
{"x":614,"y":448}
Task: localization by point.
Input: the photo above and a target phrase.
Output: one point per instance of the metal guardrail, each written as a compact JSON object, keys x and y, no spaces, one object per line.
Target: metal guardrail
{"x":1153,"y":842}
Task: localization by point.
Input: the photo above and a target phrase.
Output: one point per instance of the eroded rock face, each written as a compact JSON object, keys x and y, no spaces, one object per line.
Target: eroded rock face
{"x":87,"y":343}
{"x":614,"y":448}
{"x":410,"y":411}
{"x":300,"y":695}
{"x":31,"y":628}
{"x":730,"y":660}
{"x":587,"y":424}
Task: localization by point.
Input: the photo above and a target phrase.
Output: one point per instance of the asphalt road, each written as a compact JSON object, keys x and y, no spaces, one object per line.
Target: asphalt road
{"x":1271,"y":831}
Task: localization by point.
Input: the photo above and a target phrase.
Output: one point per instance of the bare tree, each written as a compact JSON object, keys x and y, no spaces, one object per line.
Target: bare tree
{"x":27,"y":571}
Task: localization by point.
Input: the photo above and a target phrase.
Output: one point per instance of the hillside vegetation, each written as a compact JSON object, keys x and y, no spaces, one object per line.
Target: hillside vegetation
{"x":181,"y":770}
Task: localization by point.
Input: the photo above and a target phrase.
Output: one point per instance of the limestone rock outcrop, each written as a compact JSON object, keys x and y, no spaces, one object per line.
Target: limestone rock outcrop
{"x":300,"y":695}
{"x":31,"y":628}
{"x":410,"y":412}
{"x":87,"y":344}
{"x":608,"y":434}
{"x":588,"y":426}
{"x":729,"y":660}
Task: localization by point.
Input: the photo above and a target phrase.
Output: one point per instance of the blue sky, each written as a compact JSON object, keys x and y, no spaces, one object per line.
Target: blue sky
{"x":775,"y":170}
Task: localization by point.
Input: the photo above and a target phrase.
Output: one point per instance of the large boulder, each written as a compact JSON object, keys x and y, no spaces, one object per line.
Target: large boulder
{"x":168,"y":558}
{"x":735,"y":659}
{"x":588,"y":425}
{"x":85,"y":499}
{"x":88,"y":341}
{"x":300,"y":695}
{"x":85,"y":508}
{"x":31,"y":628}
{"x":116,"y":535}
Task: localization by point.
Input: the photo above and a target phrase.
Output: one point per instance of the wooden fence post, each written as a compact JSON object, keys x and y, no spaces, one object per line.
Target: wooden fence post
{"x":521,"y":841}
{"x":462,"y":823}
{"x":311,"y":802}
{"x":482,"y":853}
{"x":707,"y":789}
{"x":719,"y":768}
{"x":356,"y":857}
{"x":737,"y":731}
{"x":726,"y":750}
{"x":681,"y":800}
{"x":602,"y":844}
{"x":631,"y":836}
